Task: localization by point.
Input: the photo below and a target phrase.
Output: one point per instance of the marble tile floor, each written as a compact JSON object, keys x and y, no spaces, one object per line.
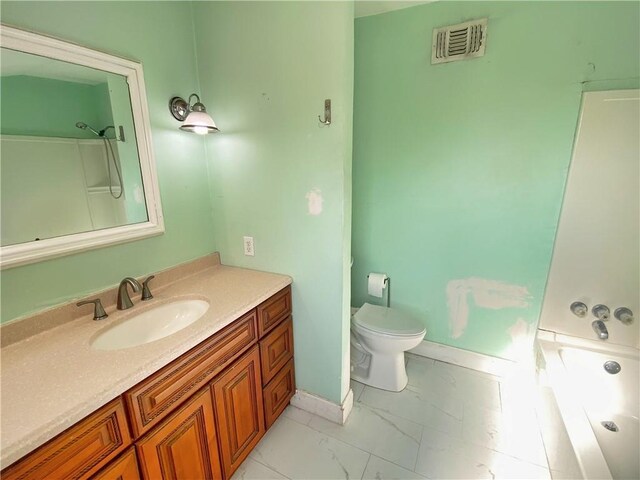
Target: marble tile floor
{"x":449,"y":423}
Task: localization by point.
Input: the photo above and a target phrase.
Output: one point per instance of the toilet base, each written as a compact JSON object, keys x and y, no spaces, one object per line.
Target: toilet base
{"x":385,"y":371}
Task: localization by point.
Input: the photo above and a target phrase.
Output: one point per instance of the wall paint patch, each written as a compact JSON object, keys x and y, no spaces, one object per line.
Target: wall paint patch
{"x":519,"y":330}
{"x":521,"y":334}
{"x":314,"y":201}
{"x":491,"y":294}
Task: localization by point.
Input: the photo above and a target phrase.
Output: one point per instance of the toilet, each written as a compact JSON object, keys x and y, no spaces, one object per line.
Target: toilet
{"x":379,"y":338}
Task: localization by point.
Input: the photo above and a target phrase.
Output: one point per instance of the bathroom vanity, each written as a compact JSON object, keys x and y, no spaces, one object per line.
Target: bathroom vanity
{"x":197,"y":416}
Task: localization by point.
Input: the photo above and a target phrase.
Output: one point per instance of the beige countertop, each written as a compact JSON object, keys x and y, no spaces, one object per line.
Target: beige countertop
{"x":53,"y":379}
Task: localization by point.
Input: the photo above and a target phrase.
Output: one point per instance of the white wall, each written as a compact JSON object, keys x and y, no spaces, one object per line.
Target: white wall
{"x":596,"y":255}
{"x":55,"y":186}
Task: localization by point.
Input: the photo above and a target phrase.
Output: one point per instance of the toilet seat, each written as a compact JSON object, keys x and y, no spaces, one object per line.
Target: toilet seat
{"x":387,"y":321}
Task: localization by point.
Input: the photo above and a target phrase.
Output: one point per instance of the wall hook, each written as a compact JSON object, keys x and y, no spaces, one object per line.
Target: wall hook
{"x":327,"y":113}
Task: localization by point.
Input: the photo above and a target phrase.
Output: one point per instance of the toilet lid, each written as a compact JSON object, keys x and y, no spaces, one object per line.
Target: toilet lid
{"x":387,"y":320}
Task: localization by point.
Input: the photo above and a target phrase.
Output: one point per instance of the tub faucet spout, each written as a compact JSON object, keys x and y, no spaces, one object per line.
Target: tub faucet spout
{"x":601,"y":329}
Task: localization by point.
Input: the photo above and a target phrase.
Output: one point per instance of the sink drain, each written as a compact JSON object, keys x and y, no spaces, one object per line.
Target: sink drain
{"x":612,"y":367}
{"x":611,"y":426}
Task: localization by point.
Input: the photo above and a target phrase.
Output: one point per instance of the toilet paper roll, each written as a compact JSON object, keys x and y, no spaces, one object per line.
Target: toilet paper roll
{"x":376,"y":284}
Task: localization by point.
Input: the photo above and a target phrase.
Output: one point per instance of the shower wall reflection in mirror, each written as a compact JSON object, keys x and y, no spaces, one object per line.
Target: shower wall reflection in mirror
{"x":69,"y":156}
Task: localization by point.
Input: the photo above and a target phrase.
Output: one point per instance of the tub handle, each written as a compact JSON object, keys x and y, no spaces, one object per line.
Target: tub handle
{"x":579,"y":309}
{"x":624,"y":315}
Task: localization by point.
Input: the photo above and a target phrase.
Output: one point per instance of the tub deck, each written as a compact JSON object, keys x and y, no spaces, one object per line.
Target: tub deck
{"x":587,"y":396}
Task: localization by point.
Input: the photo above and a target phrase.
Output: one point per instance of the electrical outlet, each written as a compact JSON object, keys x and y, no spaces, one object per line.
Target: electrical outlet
{"x":249,"y":247}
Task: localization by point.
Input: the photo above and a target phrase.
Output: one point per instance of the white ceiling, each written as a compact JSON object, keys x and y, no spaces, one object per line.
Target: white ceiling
{"x":364,"y":8}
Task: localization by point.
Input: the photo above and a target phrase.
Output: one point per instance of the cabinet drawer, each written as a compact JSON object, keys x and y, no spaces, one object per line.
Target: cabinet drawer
{"x":272,"y":311}
{"x":80,"y":451}
{"x":278,"y":393}
{"x":154,"y":398}
{"x":125,"y":467}
{"x":184,"y":446}
{"x":276,"y":349}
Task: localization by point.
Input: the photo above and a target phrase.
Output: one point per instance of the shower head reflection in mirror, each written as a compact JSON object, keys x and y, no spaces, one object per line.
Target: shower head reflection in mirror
{"x":84,"y":126}
{"x":107,"y":148}
{"x":70,"y":182}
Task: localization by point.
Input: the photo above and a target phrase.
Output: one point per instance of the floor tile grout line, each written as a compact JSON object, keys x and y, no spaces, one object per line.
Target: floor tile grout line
{"x":353,"y":446}
{"x":518,"y":459}
{"x":362,"y":449}
{"x":331,"y":436}
{"x":399,"y":466}
{"x":267,"y":466}
{"x":410,"y":419}
{"x":415,"y":465}
{"x":297,"y":421}
{"x":326,"y":435}
{"x":365,"y":467}
{"x":475,"y":443}
{"x":371,"y":407}
{"x":394,"y":463}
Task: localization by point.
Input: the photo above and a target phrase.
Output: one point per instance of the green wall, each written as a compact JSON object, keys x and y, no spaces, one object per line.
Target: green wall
{"x":459,"y":168}
{"x":265,"y":71}
{"x":136,"y":30}
{"x":51,"y":108}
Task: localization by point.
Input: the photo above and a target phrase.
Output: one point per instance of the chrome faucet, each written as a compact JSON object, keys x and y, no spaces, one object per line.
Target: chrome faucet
{"x":124,"y":300}
{"x":601,"y":329}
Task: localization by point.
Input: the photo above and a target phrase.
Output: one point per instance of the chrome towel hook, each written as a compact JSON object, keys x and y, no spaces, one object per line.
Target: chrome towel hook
{"x":327,"y":113}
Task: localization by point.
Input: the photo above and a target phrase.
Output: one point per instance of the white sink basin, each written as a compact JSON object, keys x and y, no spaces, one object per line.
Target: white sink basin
{"x":152,"y":324}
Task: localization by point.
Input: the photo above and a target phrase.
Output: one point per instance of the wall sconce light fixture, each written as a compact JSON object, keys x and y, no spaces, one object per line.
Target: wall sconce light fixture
{"x":194,"y":115}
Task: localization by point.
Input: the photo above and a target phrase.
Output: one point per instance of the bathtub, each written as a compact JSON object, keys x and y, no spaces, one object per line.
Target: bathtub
{"x":588,"y":396}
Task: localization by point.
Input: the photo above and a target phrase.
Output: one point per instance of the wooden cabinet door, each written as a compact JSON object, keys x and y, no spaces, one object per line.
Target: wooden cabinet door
{"x":272,"y":311}
{"x":78,"y":452}
{"x":184,"y":446}
{"x":154,"y":398}
{"x":125,"y":467}
{"x":239,"y":410}
{"x":278,"y":393}
{"x":276,"y":349}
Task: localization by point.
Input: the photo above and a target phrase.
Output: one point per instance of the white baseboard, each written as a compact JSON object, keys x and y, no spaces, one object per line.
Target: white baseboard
{"x":499,"y":367}
{"x":323,"y":407}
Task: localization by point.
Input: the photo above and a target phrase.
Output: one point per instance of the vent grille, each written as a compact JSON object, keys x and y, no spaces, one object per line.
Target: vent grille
{"x":459,"y":42}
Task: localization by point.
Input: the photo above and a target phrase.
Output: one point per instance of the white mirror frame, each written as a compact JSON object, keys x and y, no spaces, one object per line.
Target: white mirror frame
{"x":24,"y":253}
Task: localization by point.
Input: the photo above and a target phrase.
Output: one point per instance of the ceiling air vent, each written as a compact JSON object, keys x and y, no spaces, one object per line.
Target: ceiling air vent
{"x":459,"y":42}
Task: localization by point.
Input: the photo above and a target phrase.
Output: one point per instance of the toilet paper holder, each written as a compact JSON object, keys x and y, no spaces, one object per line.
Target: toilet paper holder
{"x":387,"y":287}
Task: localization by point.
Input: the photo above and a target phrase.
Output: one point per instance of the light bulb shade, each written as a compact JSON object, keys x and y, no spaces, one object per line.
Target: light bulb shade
{"x":199,"y":122}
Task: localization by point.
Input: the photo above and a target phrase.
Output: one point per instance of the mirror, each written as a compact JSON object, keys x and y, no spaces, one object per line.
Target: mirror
{"x":77,"y":170}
